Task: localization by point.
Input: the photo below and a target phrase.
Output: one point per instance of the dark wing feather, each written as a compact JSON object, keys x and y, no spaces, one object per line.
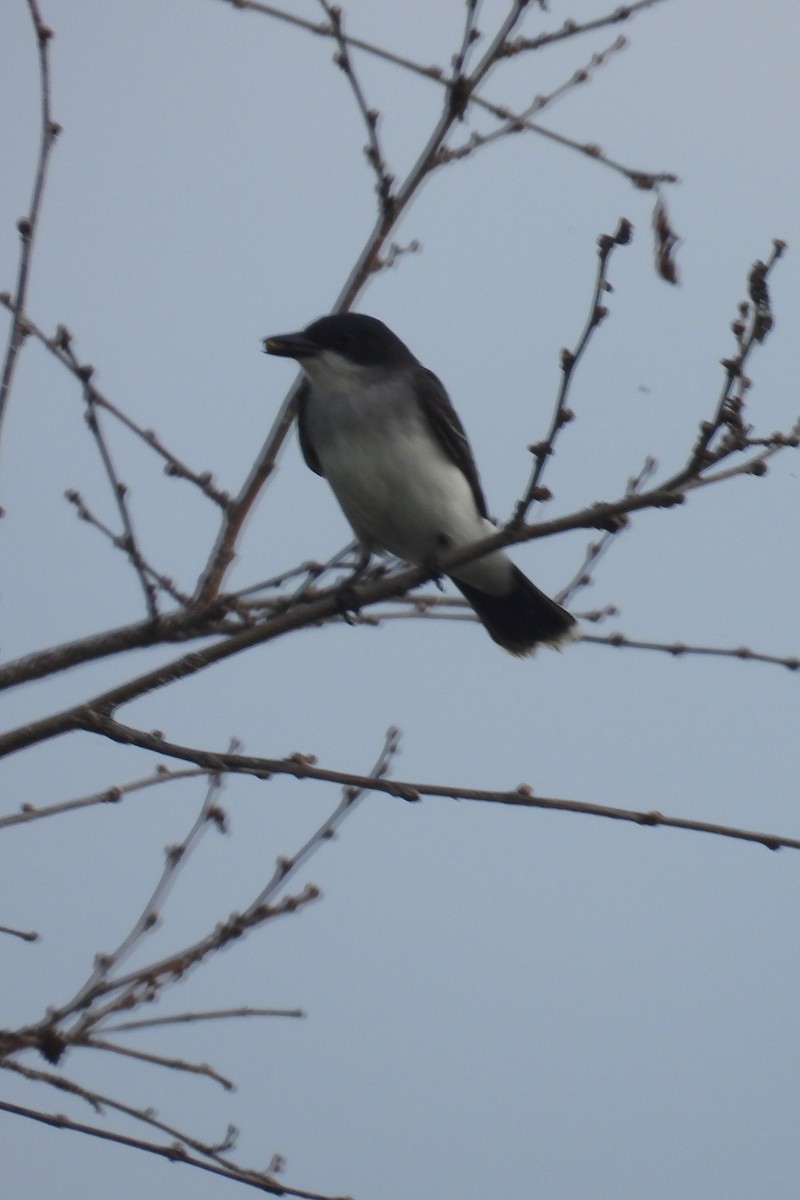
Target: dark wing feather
{"x":448,"y":430}
{"x":306,"y":449}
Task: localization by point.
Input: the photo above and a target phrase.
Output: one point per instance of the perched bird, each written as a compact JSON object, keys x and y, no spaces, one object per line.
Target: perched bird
{"x":381,"y":429}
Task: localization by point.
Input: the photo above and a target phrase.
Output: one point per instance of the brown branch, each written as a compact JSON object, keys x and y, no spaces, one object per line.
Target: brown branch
{"x":152,"y":576}
{"x":263,"y":905}
{"x":519,"y":122}
{"x":220,"y":1014}
{"x":174,"y":627}
{"x":726,"y":430}
{"x":89,"y":715}
{"x":304,"y":767}
{"x":326,"y":606}
{"x":569,"y":360}
{"x":175,"y":1151}
{"x":144,"y":984}
{"x":682,"y":649}
{"x":175,"y":858}
{"x":597,"y":550}
{"x":159,"y":1060}
{"x":453,"y":608}
{"x":570,"y":29}
{"x":60,"y":346}
{"x":109,"y":795}
{"x":29,"y":224}
{"x":373,"y":151}
{"x":352,"y":794}
{"x":23,"y":935}
{"x":128,"y":542}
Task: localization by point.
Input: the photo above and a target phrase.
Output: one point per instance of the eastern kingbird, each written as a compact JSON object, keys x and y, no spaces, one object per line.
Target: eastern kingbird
{"x":381,"y":429}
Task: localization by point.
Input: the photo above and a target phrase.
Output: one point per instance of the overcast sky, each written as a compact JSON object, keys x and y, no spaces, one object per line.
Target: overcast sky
{"x":499,"y":1003}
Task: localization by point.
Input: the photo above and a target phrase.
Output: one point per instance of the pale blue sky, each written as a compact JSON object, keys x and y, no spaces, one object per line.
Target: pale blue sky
{"x":500,"y":1003}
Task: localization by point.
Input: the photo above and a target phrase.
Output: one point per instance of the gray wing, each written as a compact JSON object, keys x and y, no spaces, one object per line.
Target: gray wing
{"x":447,"y":429}
{"x":306,"y":449}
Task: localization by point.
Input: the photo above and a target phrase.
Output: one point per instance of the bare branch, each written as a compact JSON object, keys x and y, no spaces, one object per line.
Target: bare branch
{"x":60,"y":346}
{"x":159,"y":1060}
{"x":286,"y":867}
{"x":176,"y":857}
{"x":373,"y":151}
{"x":178,"y":1150}
{"x":519,"y":122}
{"x":109,"y":795}
{"x":91,"y":715}
{"x":726,"y":431}
{"x":569,"y":359}
{"x":220,"y":1014}
{"x":683,"y":649}
{"x":23,"y":935}
{"x":571,"y":29}
{"x":164,"y":582}
{"x":304,"y":767}
{"x":597,"y":550}
{"x":144,"y":984}
{"x":29,"y":224}
{"x":119,"y":490}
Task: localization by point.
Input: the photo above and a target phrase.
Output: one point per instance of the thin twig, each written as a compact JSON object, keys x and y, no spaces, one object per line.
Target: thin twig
{"x":23,"y":935}
{"x":119,"y":490}
{"x":60,"y":345}
{"x":219,"y":1014}
{"x":175,"y":858}
{"x":143,"y":984}
{"x":93,"y":1042}
{"x":571,"y":28}
{"x":286,"y":867}
{"x":214,"y":1158}
{"x":520,"y":122}
{"x":750,"y":329}
{"x":29,"y":224}
{"x":373,"y":151}
{"x":109,"y":795}
{"x":152,"y":576}
{"x":569,"y":359}
{"x":597,"y":550}
{"x":685,"y":649}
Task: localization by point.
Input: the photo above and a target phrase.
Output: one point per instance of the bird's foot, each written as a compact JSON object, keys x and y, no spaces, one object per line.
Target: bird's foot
{"x":433,"y":561}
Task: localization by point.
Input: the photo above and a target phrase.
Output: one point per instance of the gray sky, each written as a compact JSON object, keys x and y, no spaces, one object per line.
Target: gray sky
{"x":500,"y":1003}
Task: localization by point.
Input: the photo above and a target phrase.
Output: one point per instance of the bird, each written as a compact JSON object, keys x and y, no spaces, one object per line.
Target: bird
{"x":381,"y":429}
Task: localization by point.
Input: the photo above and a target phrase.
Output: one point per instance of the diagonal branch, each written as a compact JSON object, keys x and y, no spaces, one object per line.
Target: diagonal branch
{"x":301,"y":767}
{"x":174,"y":1151}
{"x":61,"y":347}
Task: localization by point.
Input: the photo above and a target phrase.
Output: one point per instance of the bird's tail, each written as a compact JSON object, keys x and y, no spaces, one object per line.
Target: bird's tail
{"x":521,"y":618}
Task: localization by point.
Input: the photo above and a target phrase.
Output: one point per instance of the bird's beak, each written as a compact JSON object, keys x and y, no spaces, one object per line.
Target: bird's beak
{"x":290,"y":345}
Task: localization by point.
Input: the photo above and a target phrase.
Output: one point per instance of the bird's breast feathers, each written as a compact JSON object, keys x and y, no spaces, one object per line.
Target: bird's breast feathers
{"x":396,"y":485}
